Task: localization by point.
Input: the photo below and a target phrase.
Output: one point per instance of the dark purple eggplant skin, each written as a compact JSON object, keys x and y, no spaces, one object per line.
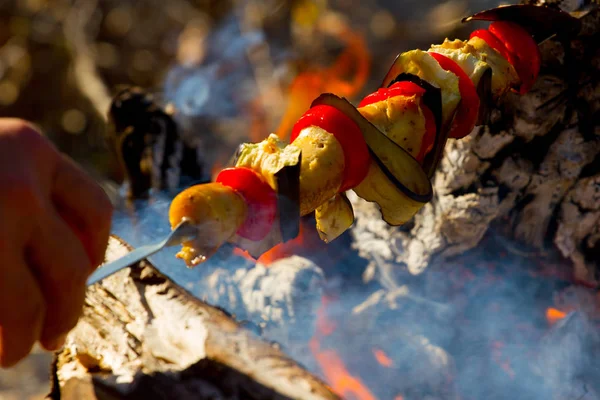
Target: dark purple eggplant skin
{"x":288,"y":200}
{"x":433,"y":100}
{"x":484,"y":90}
{"x":288,"y":196}
{"x":541,"y":22}
{"x":343,"y":105}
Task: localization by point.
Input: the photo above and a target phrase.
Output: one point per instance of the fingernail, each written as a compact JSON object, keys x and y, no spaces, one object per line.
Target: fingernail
{"x":57,"y":343}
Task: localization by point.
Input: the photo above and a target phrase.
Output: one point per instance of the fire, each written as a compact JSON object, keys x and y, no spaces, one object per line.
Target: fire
{"x":554,"y":315}
{"x":336,"y":374}
{"x":345,"y":77}
{"x":383,"y":358}
{"x":307,"y":240}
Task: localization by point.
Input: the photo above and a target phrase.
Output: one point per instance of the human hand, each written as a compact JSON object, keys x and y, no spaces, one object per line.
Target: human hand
{"x":54,"y":228}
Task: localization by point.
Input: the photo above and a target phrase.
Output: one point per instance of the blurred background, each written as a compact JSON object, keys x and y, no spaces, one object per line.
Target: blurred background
{"x":233,"y":69}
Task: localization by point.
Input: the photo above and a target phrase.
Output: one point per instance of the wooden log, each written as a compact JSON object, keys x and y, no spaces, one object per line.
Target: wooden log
{"x":142,"y":336}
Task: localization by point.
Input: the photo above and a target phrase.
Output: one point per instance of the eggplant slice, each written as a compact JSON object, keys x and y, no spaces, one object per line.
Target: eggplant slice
{"x":433,"y":100}
{"x":288,"y":199}
{"x":484,"y":91}
{"x":334,"y":217}
{"x":398,"y":165}
{"x":540,"y":21}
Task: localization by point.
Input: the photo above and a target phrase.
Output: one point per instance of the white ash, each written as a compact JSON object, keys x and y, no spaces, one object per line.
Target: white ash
{"x":221,"y":290}
{"x":403,"y":310}
{"x":412,"y":331}
{"x":568,"y":358}
{"x":284,"y":297}
{"x":557,"y":174}
{"x":580,"y":224}
{"x":530,"y":120}
{"x":579,"y":298}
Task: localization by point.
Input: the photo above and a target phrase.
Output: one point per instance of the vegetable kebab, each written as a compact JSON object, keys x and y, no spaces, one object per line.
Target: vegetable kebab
{"x":386,"y":150}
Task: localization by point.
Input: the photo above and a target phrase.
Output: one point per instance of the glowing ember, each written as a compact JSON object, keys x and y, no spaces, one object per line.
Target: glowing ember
{"x":383,"y":358}
{"x":554,"y":315}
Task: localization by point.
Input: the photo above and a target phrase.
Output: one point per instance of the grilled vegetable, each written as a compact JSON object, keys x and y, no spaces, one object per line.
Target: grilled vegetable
{"x":217,"y":210}
{"x":468,"y":108}
{"x":433,"y":100}
{"x":260,"y":198}
{"x":395,"y":180}
{"x":475,"y":56}
{"x":423,"y":65}
{"x":334,"y":217}
{"x":386,"y":150}
{"x":348,"y":135}
{"x":279,"y":164}
{"x":523,"y":52}
{"x":322,"y":167}
{"x":400,"y":112}
{"x":491,"y":40}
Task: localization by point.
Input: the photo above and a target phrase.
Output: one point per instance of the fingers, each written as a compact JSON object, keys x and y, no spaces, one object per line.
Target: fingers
{"x":21,"y":308}
{"x":84,"y":206}
{"x":61,"y":266}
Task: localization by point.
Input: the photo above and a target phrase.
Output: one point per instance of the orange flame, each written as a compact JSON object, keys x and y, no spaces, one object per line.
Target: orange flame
{"x":338,"y":377}
{"x":554,"y":315}
{"x":336,"y":374}
{"x":308,"y":85}
{"x":383,"y":358}
{"x":307,"y":240}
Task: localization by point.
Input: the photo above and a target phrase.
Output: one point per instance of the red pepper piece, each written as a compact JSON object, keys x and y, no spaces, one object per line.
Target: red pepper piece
{"x":347,"y":133}
{"x":403,"y":88}
{"x":466,"y":115}
{"x":406,"y":88}
{"x":492,"y":41}
{"x":526,"y":53}
{"x":259,"y":196}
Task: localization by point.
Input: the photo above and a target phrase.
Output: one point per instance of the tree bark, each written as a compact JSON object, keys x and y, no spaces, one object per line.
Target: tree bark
{"x":531,"y":176}
{"x":142,"y":336}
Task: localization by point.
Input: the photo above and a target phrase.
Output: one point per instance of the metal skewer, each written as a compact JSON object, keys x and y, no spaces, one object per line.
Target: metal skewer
{"x":182,"y":232}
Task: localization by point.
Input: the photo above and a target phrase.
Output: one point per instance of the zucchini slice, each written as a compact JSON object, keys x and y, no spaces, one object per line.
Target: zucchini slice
{"x":279,"y":164}
{"x":334,"y":217}
{"x":433,"y":100}
{"x":403,"y":186}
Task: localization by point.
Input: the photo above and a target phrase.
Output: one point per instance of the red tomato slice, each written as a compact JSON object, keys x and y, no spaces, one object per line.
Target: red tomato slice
{"x":406,"y":88}
{"x":347,"y":133}
{"x":526,"y":53}
{"x":259,"y":196}
{"x":466,"y":115}
{"x":492,"y":41}
{"x":403,"y":88}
